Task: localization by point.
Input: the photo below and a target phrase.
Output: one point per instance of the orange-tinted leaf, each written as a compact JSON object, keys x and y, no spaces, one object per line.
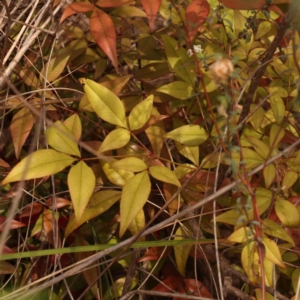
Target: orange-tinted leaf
{"x":155,"y":253}
{"x":151,"y":8}
{"x":57,"y":203}
{"x":6,"y":268}
{"x":196,"y":288}
{"x":195,"y":15}
{"x":244,"y":5}
{"x":171,"y":283}
{"x":4,"y":164}
{"x":113,"y":3}
{"x":104,"y":33}
{"x":20,"y":127}
{"x":13,"y":225}
{"x":31,"y":209}
{"x":50,"y":227}
{"x":75,"y":8}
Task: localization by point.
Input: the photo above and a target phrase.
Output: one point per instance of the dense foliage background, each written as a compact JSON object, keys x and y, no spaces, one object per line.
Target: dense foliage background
{"x":149,"y":149}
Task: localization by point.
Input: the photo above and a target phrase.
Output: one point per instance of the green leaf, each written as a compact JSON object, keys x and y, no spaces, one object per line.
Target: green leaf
{"x":116,"y":139}
{"x":181,"y":251}
{"x":179,"y":60}
{"x":177,"y":89}
{"x":131,"y":164}
{"x":272,"y":252}
{"x":105,"y":103}
{"x":164,"y":174}
{"x":273,"y":229}
{"x":98,"y":204}
{"x":278,"y":107}
{"x":39,"y":164}
{"x":134,"y":196}
{"x":140,"y":114}
{"x":190,"y":135}
{"x":60,"y":138}
{"x":81,"y":182}
{"x":73,"y":123}
{"x":287,"y":213}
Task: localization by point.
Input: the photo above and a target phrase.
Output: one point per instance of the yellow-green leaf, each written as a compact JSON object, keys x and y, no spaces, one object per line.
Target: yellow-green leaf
{"x":140,"y":114}
{"x":60,"y":138}
{"x":116,"y":139}
{"x":131,"y":164}
{"x":20,"y":128}
{"x":137,"y":225}
{"x":134,"y":196}
{"x":260,"y":147}
{"x":278,"y":107}
{"x":177,"y":89}
{"x":181,"y":251}
{"x":273,"y":229}
{"x":190,"y":135}
{"x":276,"y":135}
{"x":287,"y":213}
{"x":164,"y":174}
{"x":116,"y":176}
{"x":73,"y":123}
{"x":116,"y":289}
{"x":39,"y":164}
{"x":295,"y":279}
{"x":263,"y":28}
{"x":251,"y":158}
{"x":81,"y":182}
{"x":272,"y":252}
{"x":190,"y":152}
{"x":179,"y":60}
{"x":289,"y":179}
{"x":105,"y":103}
{"x":241,"y":235}
{"x":269,"y":174}
{"x":98,"y":204}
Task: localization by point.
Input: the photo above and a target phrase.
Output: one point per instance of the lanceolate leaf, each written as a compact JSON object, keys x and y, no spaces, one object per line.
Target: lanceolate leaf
{"x":178,"y":89}
{"x":181,"y":251}
{"x":287,"y":213}
{"x":178,"y":59}
{"x":244,"y":5}
{"x":61,"y":139}
{"x":75,"y":8}
{"x":131,"y":164}
{"x":134,"y":196}
{"x":138,"y":224}
{"x":104,"y":33}
{"x":272,"y":252}
{"x":115,"y":139}
{"x":113,"y":3}
{"x":39,"y":164}
{"x":73,"y":123}
{"x":164,"y":174}
{"x":140,"y":114}
{"x":151,"y":8}
{"x":20,"y":127}
{"x":190,"y":135}
{"x":98,"y":204}
{"x":81,"y":182}
{"x":105,"y":103}
{"x":195,"y":15}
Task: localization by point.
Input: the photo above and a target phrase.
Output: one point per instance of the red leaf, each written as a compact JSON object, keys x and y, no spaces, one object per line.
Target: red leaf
{"x":151,"y":8}
{"x":4,"y":164}
{"x":113,"y":3}
{"x":104,"y":33}
{"x":75,"y":8}
{"x":13,"y":225}
{"x":196,"y":288}
{"x":195,"y":15}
